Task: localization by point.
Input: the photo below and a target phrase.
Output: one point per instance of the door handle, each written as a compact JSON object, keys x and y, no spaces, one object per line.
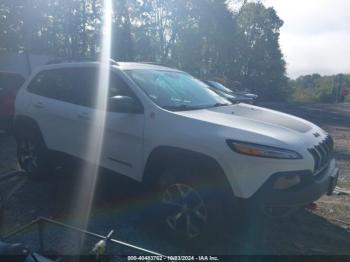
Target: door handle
{"x":39,"y":105}
{"x":83,"y":116}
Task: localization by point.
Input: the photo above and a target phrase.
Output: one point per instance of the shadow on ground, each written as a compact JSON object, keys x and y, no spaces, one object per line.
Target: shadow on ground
{"x":117,"y":206}
{"x":126,"y":213}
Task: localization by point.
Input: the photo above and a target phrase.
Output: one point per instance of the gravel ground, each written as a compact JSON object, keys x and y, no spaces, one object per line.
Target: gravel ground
{"x":325,"y":230}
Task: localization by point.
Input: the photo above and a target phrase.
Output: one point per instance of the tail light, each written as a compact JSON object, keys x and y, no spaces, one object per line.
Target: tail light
{"x":8,"y":104}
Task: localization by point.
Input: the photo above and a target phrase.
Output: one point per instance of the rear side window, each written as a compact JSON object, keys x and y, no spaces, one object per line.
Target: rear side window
{"x":85,"y":86}
{"x":76,"y":85}
{"x":53,"y":84}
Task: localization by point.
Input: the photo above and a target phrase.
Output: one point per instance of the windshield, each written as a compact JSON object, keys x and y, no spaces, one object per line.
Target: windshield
{"x":221,"y":87}
{"x":176,"y":90}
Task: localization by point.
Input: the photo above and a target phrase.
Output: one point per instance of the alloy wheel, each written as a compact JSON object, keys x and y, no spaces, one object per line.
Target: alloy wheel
{"x":28,"y":155}
{"x":186,"y":212}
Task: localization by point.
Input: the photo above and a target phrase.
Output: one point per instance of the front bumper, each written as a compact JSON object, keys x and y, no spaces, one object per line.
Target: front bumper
{"x":310,"y":188}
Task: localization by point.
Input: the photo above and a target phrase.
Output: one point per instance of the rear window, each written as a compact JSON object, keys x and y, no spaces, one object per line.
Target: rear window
{"x":9,"y":81}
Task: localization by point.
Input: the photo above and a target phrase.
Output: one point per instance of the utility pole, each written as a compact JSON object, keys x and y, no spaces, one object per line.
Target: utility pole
{"x":338,"y":86}
{"x":28,"y":63}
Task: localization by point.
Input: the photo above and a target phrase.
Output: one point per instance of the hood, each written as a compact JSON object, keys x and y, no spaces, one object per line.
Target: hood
{"x":256,"y":120}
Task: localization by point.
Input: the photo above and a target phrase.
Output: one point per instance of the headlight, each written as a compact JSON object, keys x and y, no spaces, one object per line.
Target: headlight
{"x":262,"y":151}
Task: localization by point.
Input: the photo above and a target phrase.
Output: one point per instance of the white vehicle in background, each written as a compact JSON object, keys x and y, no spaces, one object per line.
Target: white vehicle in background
{"x":197,"y":152}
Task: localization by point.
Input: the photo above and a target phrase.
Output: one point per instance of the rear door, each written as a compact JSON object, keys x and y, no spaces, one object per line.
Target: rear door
{"x":53,"y":109}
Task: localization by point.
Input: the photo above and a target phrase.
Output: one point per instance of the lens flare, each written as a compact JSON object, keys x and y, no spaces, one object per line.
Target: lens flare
{"x":89,"y":172}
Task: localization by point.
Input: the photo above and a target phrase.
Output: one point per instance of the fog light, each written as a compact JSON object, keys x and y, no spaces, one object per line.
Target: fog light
{"x":285,"y":182}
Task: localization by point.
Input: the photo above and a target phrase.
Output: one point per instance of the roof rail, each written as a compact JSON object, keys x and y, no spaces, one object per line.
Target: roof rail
{"x":153,"y":63}
{"x":113,"y":62}
{"x":83,"y":59}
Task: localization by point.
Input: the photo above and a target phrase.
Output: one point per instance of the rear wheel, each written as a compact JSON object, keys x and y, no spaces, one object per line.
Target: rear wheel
{"x":33,"y":156}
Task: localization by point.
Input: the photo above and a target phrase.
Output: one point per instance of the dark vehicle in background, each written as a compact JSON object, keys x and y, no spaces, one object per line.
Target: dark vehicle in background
{"x":230,"y":95}
{"x":9,"y":85}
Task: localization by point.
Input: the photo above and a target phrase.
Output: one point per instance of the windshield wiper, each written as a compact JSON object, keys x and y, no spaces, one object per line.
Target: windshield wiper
{"x":181,"y":108}
{"x":221,"y":104}
{"x":188,"y":108}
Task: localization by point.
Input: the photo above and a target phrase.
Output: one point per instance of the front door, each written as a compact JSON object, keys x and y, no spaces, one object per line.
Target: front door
{"x":122,"y":134}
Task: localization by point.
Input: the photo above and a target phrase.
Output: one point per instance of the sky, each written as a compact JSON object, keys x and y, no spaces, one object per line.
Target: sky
{"x":315,"y":37}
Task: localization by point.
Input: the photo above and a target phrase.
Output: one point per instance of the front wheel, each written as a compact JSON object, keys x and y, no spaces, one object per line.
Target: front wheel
{"x":192,"y":205}
{"x":185,"y":211}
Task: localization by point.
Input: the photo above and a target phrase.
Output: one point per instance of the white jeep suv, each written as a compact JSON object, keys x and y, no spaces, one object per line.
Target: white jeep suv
{"x":195,"y":151}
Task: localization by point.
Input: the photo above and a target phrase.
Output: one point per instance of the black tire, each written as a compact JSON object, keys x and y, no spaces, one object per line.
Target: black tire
{"x":192,"y":206}
{"x":33,"y":156}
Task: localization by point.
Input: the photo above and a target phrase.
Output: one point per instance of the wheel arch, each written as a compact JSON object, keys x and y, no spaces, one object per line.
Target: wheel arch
{"x":165,"y":156}
{"x":26,"y":126}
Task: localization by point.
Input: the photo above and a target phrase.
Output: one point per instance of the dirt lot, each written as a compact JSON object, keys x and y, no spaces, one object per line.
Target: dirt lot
{"x":325,"y":230}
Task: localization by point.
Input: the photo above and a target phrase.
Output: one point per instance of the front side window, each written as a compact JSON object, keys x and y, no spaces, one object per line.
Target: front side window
{"x":117,"y":87}
{"x":86,"y":86}
{"x":176,"y":91}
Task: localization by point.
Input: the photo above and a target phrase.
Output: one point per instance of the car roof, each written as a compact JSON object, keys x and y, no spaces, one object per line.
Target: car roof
{"x":118,"y":65}
{"x":133,"y":65}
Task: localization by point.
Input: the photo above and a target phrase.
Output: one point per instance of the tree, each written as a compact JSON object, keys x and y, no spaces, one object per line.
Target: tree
{"x":262,"y":67}
{"x":203,"y":37}
{"x":319,"y":88}
{"x":122,"y":42}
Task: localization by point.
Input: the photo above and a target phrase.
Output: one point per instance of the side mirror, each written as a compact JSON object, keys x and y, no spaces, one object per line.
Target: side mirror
{"x":123,"y":104}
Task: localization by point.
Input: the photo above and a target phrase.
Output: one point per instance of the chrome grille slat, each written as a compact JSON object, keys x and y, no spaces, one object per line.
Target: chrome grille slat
{"x":331,"y":144}
{"x":316,"y":157}
{"x":322,"y":153}
{"x":326,"y":147}
{"x":327,"y":144}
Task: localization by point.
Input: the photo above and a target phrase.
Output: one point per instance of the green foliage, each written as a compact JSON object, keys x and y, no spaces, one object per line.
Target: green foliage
{"x":203,"y":37}
{"x":262,"y":67}
{"x":317,"y":88}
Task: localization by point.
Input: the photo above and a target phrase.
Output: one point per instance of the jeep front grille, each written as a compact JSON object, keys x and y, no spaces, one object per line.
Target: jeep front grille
{"x":322,"y":153}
